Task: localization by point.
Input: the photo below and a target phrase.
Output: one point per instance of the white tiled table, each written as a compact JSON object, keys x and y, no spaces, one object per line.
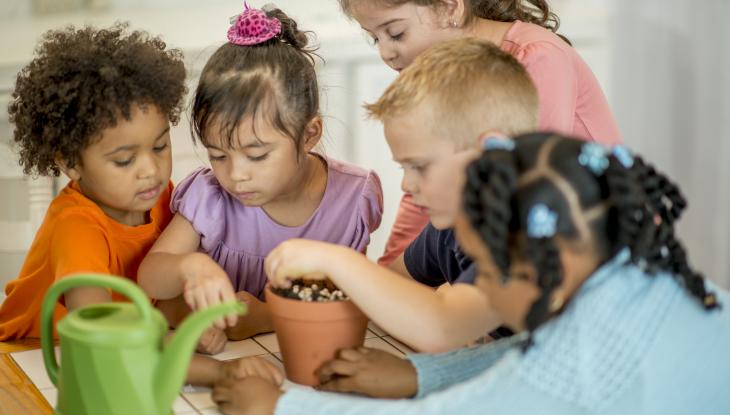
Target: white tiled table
{"x":197,"y":400}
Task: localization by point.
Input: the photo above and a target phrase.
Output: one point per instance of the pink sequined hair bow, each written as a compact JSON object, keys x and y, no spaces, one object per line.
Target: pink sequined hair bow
{"x":252,"y":27}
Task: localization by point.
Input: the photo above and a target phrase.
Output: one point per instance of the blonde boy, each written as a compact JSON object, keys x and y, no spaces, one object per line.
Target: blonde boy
{"x":434,"y":116}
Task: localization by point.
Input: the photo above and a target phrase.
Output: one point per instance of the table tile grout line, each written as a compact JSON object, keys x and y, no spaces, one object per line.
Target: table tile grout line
{"x":265,"y":348}
{"x":395,"y":346}
{"x":195,"y":408}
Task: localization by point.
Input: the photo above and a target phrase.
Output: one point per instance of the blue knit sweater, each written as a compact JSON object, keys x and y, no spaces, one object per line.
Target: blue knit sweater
{"x":628,"y":343}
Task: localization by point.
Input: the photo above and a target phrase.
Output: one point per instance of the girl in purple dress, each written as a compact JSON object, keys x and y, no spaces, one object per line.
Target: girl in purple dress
{"x":256,"y":111}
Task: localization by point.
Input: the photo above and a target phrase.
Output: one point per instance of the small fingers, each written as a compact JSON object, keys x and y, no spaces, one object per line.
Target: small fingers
{"x":221,"y":392}
{"x":219,"y":342}
{"x":212,"y":298}
{"x":338,"y":385}
{"x":268,"y":371}
{"x":334,"y":368}
{"x":350,"y":355}
{"x":189,"y":296}
{"x":199,"y":300}
{"x":228,"y":296}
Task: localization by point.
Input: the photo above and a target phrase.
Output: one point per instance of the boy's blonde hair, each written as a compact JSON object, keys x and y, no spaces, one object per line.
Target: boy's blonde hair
{"x":470,"y":86}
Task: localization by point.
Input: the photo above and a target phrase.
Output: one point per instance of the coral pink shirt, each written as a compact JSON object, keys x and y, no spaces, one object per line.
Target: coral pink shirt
{"x":571,"y":100}
{"x":571,"y":103}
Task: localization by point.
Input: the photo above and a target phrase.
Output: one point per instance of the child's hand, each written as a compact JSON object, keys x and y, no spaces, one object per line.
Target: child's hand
{"x":207,"y":284}
{"x":369,"y":372}
{"x":212,"y":341}
{"x":297,"y":258}
{"x":257,"y":319}
{"x":251,"y":395}
{"x":252,"y":366}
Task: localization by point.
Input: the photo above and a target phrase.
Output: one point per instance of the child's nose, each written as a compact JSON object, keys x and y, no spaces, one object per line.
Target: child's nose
{"x":387,"y":54}
{"x":408,"y":184}
{"x":149,"y":167}
{"x":240,"y":172}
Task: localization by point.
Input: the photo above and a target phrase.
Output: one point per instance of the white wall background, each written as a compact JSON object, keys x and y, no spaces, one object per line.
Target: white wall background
{"x":671,"y":95}
{"x":663,"y":66}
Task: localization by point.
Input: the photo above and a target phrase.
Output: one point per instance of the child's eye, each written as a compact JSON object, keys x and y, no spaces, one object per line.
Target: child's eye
{"x":259,"y":158}
{"x":397,"y":37}
{"x":123,"y":163}
{"x":215,"y":158}
{"x":420,"y":168}
{"x":160,"y":149}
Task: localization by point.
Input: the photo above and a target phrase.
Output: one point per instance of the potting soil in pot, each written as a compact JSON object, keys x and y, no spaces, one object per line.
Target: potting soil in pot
{"x":312,"y":291}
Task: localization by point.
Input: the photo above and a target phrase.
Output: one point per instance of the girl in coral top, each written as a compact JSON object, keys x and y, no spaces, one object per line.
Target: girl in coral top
{"x":571,"y":100}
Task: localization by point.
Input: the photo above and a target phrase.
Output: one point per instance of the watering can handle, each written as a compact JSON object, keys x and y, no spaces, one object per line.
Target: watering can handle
{"x":118,"y":284}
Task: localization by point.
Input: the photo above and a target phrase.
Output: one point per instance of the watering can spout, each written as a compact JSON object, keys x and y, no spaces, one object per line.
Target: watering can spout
{"x":173,"y":365}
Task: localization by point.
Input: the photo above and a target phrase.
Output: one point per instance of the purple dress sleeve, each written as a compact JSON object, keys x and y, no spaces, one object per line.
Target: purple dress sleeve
{"x":200,"y":199}
{"x":370,"y":211}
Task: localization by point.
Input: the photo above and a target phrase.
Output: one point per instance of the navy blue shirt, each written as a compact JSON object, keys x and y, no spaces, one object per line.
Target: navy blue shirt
{"x":435,"y":257}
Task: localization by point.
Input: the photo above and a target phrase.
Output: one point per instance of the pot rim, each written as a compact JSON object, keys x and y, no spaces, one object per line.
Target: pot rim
{"x":310,"y":311}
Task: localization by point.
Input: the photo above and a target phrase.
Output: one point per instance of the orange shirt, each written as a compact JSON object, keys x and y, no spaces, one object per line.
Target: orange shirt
{"x":76,"y":236}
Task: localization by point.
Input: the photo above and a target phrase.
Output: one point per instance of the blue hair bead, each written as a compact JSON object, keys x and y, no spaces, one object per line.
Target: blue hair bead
{"x":542,"y":222}
{"x":594,"y":157}
{"x":498,"y":143}
{"x":623,"y":155}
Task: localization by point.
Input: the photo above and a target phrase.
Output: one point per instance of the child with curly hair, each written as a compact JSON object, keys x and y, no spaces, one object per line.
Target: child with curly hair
{"x":97,"y":105}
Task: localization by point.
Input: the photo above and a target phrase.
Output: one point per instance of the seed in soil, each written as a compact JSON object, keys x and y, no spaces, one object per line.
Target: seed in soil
{"x":312,"y":291}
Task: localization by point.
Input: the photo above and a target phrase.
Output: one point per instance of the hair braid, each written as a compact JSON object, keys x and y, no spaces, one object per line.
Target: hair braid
{"x":647,"y":205}
{"x":490,"y":183}
{"x":634,"y":223}
{"x":544,"y":256}
{"x":663,"y":195}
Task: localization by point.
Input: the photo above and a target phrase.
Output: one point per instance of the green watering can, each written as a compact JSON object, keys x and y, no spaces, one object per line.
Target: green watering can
{"x":112,"y":356}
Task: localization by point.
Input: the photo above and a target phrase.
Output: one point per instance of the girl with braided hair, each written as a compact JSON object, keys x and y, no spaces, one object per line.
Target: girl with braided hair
{"x":551,"y":195}
{"x":575,"y":248}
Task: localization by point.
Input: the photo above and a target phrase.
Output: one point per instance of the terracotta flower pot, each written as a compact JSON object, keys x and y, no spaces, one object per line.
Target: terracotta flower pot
{"x":310,"y":333}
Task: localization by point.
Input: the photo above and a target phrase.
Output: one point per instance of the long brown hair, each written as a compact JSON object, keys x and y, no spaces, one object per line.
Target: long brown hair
{"x":276,"y":77}
{"x":530,"y":11}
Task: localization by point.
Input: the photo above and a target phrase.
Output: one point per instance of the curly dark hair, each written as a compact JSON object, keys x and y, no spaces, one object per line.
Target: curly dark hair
{"x":631,"y":207}
{"x":80,"y":82}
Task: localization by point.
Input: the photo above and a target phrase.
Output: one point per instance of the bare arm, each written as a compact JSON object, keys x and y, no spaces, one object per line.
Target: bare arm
{"x":429,"y":320}
{"x":399,"y":266}
{"x":79,"y":297}
{"x":173,"y":267}
{"x":162,"y":272}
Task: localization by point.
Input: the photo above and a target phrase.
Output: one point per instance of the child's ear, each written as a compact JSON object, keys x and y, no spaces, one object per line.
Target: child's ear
{"x":490,"y":134}
{"x":72,"y":173}
{"x":455,"y":12}
{"x":312,"y":133}
{"x":523,"y":271}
